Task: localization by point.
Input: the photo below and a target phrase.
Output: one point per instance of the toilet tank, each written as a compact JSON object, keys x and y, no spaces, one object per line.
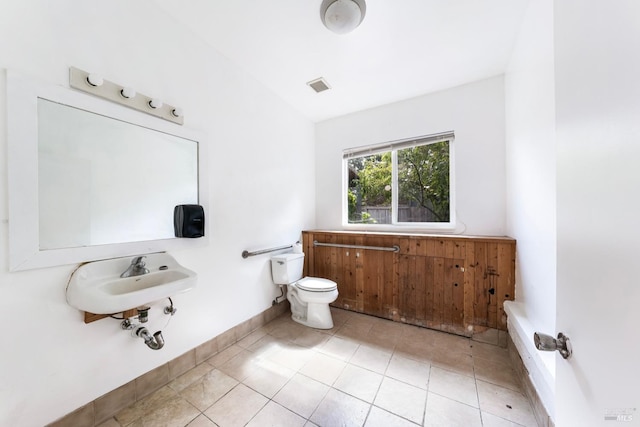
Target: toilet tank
{"x":287,"y":268}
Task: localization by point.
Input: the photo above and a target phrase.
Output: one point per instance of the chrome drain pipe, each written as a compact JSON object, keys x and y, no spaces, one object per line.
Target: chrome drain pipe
{"x":155,"y":342}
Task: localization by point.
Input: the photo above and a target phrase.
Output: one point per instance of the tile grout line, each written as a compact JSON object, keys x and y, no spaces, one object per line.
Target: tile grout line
{"x":349,"y":362}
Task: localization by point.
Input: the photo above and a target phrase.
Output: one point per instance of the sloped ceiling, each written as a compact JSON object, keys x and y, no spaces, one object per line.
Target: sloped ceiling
{"x":402,"y":49}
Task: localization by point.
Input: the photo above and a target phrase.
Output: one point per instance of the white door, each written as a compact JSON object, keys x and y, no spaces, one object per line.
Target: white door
{"x":597,"y":62}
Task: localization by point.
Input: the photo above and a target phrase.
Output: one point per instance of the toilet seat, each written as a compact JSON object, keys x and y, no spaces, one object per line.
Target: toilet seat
{"x":316,"y":284}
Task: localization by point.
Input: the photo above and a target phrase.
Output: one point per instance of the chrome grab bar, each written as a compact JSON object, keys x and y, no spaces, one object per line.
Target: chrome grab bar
{"x":247,"y":254}
{"x":395,"y":248}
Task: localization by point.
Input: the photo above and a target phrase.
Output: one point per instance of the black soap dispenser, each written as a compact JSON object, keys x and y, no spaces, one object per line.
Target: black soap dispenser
{"x":188,"y":221}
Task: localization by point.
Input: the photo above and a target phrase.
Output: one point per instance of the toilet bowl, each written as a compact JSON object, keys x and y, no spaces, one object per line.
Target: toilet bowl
{"x":309,"y":297}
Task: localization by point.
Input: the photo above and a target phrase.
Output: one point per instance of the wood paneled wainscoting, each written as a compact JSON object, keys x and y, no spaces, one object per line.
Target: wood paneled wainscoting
{"x":456,"y":284}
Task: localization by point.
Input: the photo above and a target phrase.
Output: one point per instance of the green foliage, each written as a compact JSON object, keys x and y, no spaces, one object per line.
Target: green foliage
{"x":372,"y":178}
{"x":366,"y":218}
{"x":423,"y":178}
{"x":352,"y":205}
{"x":352,"y":200}
{"x":423,"y":181}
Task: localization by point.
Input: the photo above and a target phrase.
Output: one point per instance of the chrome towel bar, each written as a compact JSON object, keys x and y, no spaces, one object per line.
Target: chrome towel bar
{"x":247,"y":254}
{"x":394,"y":248}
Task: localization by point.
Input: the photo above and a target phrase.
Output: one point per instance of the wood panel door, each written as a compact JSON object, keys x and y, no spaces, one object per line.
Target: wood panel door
{"x":377,"y":286}
{"x":340,"y":265}
{"x":431,"y":291}
{"x":492,"y":268}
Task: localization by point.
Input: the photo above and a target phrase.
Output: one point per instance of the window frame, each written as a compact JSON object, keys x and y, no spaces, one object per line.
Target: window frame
{"x":393,"y":147}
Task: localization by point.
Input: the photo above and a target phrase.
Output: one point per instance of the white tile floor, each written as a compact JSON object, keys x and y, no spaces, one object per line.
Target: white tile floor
{"x":364,"y":372}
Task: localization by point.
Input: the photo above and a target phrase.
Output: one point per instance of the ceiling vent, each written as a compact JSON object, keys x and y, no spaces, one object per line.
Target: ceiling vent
{"x":319,"y":85}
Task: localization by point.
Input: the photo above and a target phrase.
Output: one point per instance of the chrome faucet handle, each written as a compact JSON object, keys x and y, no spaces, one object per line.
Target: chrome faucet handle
{"x":139,"y":261}
{"x":141,"y":265}
{"x":137,"y":267}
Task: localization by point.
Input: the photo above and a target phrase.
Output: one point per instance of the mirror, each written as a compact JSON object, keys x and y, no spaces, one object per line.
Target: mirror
{"x":103,"y":181}
{"x":90,"y":180}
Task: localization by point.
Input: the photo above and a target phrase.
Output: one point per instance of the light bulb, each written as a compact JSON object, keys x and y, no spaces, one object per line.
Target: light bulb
{"x":343,"y":16}
{"x":155,"y":103}
{"x":177,"y":112}
{"x":128,"y":92}
{"x":95,"y":79}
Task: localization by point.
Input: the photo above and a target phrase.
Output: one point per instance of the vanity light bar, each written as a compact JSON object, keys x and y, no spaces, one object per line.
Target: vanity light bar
{"x":127,"y":96}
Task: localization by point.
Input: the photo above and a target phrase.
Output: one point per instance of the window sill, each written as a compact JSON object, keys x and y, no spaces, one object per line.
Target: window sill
{"x":443,"y":228}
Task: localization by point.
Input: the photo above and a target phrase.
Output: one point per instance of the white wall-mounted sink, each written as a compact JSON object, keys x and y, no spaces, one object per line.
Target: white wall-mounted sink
{"x":97,"y":287}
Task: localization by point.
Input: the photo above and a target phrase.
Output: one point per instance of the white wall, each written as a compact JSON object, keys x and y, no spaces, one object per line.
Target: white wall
{"x":261,"y":174}
{"x":531,"y":191}
{"x":475,"y":112}
{"x":598,"y":181}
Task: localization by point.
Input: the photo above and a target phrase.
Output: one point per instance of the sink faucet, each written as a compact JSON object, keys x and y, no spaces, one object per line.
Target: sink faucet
{"x":137,"y":268}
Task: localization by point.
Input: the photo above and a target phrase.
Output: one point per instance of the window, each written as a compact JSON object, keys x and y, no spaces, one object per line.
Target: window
{"x":407,"y":182}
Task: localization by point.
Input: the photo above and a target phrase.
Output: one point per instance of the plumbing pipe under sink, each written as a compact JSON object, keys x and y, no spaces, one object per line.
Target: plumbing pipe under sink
{"x":155,"y":342}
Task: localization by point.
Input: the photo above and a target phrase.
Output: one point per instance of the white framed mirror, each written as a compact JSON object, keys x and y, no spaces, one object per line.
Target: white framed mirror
{"x":90,"y":179}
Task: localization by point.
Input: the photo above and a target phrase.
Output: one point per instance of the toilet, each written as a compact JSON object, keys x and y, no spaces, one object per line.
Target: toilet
{"x":310,"y":296}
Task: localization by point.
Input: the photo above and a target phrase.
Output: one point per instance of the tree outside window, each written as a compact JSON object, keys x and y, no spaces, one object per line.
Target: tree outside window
{"x":420,"y":192}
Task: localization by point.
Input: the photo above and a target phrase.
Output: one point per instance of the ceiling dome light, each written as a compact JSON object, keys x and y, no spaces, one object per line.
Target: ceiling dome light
{"x":342,"y":16}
